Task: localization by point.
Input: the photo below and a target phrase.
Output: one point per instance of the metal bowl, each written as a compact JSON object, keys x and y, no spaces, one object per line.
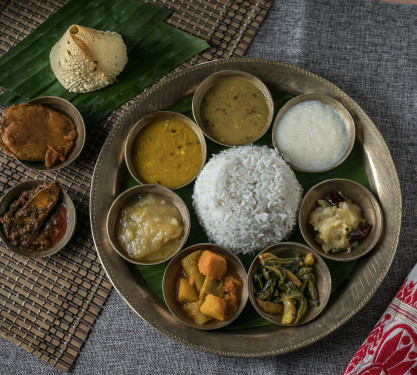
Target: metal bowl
{"x":333,"y":104}
{"x":371,"y":211}
{"x":13,"y":194}
{"x":145,"y":121}
{"x":320,"y":271}
{"x":170,"y":281}
{"x":66,"y":108}
{"x":132,"y":194}
{"x":210,"y":81}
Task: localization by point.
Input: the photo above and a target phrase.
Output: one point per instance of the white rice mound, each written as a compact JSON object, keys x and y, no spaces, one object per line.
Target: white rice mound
{"x":247,"y":198}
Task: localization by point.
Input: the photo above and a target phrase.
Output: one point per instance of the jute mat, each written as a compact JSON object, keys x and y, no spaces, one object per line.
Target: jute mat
{"x":48,"y":306}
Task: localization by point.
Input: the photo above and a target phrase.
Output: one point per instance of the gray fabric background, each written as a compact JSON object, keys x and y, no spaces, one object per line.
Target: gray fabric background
{"x":369,"y":50}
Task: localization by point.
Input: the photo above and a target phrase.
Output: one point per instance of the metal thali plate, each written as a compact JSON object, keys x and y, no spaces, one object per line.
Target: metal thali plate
{"x":269,"y":340}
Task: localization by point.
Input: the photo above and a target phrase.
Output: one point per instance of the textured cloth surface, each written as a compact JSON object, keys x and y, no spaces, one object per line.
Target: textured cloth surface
{"x":368,"y":49}
{"x":391,"y":347}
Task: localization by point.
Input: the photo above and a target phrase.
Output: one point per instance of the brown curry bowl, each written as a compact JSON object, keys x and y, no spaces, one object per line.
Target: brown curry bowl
{"x":204,"y":86}
{"x":173,"y":272}
{"x":143,"y":123}
{"x":320,"y":271}
{"x":132,"y":194}
{"x":13,"y":194}
{"x":66,"y":108}
{"x":371,"y":211}
{"x":336,"y":106}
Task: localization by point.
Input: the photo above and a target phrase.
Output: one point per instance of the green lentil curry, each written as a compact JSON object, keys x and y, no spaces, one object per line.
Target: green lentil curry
{"x":234,"y":111}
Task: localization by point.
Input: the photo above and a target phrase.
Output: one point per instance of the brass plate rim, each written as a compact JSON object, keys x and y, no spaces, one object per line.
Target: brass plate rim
{"x":250,"y":64}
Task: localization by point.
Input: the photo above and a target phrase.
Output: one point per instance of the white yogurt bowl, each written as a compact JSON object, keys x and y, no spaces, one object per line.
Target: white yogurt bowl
{"x":314,"y":133}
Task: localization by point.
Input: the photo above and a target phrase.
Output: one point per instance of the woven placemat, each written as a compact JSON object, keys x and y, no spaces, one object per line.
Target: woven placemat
{"x":48,"y":306}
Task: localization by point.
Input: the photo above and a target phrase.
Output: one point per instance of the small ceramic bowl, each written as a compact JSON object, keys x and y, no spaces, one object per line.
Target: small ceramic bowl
{"x":340,"y":110}
{"x":371,"y":211}
{"x":13,"y":194}
{"x":209,"y":82}
{"x":173,"y":272}
{"x":320,"y":271}
{"x":65,"y":107}
{"x":133,"y":194}
{"x":143,"y":123}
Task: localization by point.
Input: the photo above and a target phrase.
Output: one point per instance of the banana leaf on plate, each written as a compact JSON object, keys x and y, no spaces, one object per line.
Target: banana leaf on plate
{"x":353,"y":168}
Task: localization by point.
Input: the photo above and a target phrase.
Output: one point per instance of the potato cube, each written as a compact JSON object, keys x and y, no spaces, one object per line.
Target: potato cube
{"x":186,"y":292}
{"x":212,"y":265}
{"x":214,"y":306}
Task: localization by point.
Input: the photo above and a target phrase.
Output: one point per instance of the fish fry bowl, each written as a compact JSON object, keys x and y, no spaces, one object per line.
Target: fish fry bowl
{"x":66,"y":108}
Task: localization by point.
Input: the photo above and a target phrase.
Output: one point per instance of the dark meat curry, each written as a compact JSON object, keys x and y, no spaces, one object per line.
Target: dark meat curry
{"x":33,"y":223}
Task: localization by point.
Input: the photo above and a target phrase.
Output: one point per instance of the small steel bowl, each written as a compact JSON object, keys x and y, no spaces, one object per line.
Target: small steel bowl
{"x":13,"y":194}
{"x":320,"y":271}
{"x":66,"y":108}
{"x":145,"y":121}
{"x":371,"y":211}
{"x":132,"y":194}
{"x":210,"y":81}
{"x":342,"y":112}
{"x":173,"y":272}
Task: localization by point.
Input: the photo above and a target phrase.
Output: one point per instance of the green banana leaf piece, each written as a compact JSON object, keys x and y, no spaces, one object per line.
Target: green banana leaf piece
{"x":353,"y":168}
{"x":154,"y":49}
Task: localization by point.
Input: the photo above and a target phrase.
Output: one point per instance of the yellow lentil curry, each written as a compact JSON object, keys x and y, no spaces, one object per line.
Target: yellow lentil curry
{"x":167,"y":152}
{"x":234,"y":111}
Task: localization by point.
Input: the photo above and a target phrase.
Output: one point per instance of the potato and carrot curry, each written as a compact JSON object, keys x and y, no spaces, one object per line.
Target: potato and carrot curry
{"x":208,"y":287}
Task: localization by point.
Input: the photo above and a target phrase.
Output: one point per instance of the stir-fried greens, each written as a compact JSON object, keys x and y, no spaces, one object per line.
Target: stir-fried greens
{"x":285,"y":284}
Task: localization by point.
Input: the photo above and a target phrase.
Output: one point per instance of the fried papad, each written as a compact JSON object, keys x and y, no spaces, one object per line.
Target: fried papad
{"x":34,"y":132}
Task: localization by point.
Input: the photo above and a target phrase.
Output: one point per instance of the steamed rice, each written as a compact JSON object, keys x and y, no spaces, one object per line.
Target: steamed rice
{"x":246,"y":198}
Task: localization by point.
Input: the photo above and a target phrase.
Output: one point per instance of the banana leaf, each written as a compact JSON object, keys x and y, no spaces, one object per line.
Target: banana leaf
{"x":154,"y":49}
{"x":353,"y":168}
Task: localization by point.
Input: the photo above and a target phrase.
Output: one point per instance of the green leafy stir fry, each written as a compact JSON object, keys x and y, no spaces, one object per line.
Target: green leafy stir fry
{"x":285,"y":284}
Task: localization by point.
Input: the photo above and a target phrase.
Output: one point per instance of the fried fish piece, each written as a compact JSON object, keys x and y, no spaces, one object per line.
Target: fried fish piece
{"x":35,"y":132}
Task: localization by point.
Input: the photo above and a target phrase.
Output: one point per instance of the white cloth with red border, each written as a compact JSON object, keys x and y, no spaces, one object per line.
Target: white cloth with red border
{"x":391,"y":347}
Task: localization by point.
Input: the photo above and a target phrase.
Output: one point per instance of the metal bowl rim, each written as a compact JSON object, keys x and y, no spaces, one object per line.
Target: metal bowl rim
{"x":71,"y":213}
{"x":141,"y":124}
{"x":369,"y":194}
{"x":258,"y":83}
{"x":318,"y":97}
{"x":131,"y":191}
{"x":241,"y":271}
{"x":281,"y":246}
{"x":30,"y":164}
